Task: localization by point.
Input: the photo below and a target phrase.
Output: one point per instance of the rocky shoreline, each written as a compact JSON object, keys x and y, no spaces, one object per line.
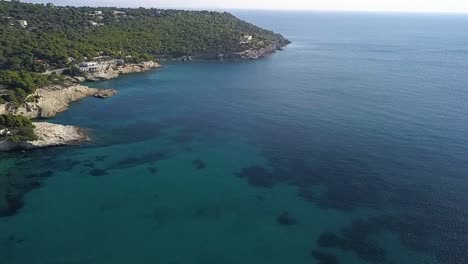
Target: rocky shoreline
{"x":50,"y":101}
{"x":114,"y":71}
{"x":49,"y":135}
{"x":248,"y":54}
{"x":259,"y":53}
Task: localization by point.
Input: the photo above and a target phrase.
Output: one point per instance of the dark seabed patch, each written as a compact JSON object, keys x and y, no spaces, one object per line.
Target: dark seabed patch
{"x":68,"y":164}
{"x":351,"y":184}
{"x":257,"y":176}
{"x":101,"y":158}
{"x":89,"y":164}
{"x":98,"y":172}
{"x":111,"y":136}
{"x":153,"y":169}
{"x":209,"y":212}
{"x":17,"y":181}
{"x":199,"y":164}
{"x":286,"y":219}
{"x":15,"y":239}
{"x":133,"y":161}
{"x":324,"y":258}
{"x":355,"y":242}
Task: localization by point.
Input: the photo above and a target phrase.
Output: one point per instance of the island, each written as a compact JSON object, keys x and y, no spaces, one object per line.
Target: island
{"x":48,"y":51}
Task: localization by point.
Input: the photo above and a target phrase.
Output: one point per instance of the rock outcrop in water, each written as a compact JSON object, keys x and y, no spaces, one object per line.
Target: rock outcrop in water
{"x":48,"y":102}
{"x":113,"y":71}
{"x":104,"y":94}
{"x":49,"y":135}
{"x":259,"y":53}
{"x":253,"y":53}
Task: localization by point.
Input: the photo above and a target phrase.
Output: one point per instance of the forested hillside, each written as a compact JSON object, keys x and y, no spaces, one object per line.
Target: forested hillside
{"x":36,"y":37}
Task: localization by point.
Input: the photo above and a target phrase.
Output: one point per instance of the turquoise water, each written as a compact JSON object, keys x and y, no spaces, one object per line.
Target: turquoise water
{"x":348,"y":147}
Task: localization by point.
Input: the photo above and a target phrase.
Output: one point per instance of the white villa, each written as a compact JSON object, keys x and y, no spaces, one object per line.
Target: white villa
{"x":119,"y":13}
{"x":23,"y":23}
{"x":246,"y":39}
{"x":91,"y":67}
{"x":5,"y":132}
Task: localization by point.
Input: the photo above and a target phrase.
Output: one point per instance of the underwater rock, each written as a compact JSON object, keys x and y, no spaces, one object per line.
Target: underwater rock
{"x":153,"y":170}
{"x":106,"y":93}
{"x":151,"y":157}
{"x":324,"y":258}
{"x":89,"y":164}
{"x":285,"y":219}
{"x":101,"y":158}
{"x":329,"y":239}
{"x":98,"y":172}
{"x":355,"y":242}
{"x":199,"y":164}
{"x":210,"y":212}
{"x":257,"y":176}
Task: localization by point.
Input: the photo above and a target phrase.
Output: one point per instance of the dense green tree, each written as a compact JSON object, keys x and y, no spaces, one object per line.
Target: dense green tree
{"x":55,"y":34}
{"x":15,"y":86}
{"x":16,"y":128}
{"x":73,"y":71}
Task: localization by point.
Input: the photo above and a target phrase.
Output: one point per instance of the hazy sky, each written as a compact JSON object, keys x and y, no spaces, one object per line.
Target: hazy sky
{"x":458,"y":6}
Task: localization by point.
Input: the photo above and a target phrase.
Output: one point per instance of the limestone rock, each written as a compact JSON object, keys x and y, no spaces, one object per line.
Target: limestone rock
{"x":49,"y":101}
{"x":49,"y":135}
{"x":114,"y":71}
{"x":103,"y":94}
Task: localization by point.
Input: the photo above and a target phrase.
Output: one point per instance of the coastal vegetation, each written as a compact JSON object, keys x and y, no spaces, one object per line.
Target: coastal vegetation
{"x":36,"y":38}
{"x":15,"y":86}
{"x":56,"y":37}
{"x":43,"y":45}
{"x":16,"y":128}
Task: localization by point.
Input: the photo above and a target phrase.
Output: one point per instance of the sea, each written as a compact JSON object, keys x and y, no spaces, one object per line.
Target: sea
{"x":350,"y":146}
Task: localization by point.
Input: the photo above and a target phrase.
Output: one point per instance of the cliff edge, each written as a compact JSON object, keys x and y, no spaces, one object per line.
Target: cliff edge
{"x":49,"y":135}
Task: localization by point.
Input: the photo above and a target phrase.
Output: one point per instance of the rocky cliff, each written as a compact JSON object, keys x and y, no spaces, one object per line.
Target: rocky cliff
{"x":49,"y":101}
{"x":258,"y":53}
{"x":255,"y":52}
{"x":49,"y":135}
{"x":113,"y":71}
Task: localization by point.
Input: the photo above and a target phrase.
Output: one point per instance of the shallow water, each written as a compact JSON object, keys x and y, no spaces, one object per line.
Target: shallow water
{"x":348,"y":147}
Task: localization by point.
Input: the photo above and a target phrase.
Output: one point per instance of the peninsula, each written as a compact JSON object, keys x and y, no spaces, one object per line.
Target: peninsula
{"x":47,"y":51}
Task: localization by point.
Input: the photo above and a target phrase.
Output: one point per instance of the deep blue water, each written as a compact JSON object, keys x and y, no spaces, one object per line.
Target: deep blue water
{"x":348,"y":147}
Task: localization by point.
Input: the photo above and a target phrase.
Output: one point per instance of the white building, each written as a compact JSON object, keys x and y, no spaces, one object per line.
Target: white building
{"x":119,"y":13}
{"x":246,"y":39}
{"x":91,"y":66}
{"x":5,"y":132}
{"x":23,"y":23}
{"x":93,"y":23}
